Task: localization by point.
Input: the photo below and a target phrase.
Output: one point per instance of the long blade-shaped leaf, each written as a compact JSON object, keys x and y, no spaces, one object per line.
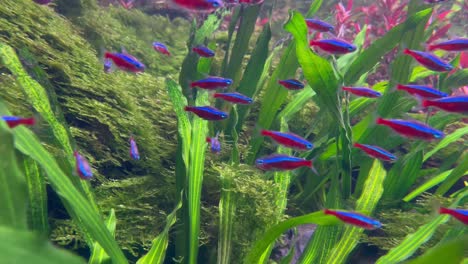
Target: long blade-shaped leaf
{"x":413,"y":241}
{"x":89,"y":219}
{"x":99,"y":255}
{"x":274,"y":232}
{"x":227,"y":208}
{"x":158,"y":249}
{"x":13,"y":193}
{"x":454,"y":136}
{"x":366,"y":203}
{"x":37,"y":213}
{"x":195,"y":176}
{"x":427,"y":185}
{"x":453,"y":177}
{"x":450,"y":252}
{"x":26,"y":247}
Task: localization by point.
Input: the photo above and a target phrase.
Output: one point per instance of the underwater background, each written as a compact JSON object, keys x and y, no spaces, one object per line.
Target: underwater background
{"x":117,"y":165}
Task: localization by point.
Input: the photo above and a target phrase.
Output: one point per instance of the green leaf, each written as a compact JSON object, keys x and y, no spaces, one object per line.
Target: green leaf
{"x":241,"y":44}
{"x":13,"y":192}
{"x":453,"y":177}
{"x":366,"y":203}
{"x":297,"y":103}
{"x":37,"y":193}
{"x":317,"y":70}
{"x":403,"y":175}
{"x":89,"y":219}
{"x":227,"y":209}
{"x":98,"y":255}
{"x":38,"y":98}
{"x":413,"y":241}
{"x":252,"y":74}
{"x":157,"y":252}
{"x":451,"y":138}
{"x":274,"y":232}
{"x":427,"y":185}
{"x":451,"y":252}
{"x":456,"y":80}
{"x":195,"y":176}
{"x":26,"y":247}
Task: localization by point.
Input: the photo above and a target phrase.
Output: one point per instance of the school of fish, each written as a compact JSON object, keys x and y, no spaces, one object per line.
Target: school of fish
{"x":427,"y":97}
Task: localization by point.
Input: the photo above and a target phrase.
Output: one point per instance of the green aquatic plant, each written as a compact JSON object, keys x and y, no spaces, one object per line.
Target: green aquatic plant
{"x":220,"y":200}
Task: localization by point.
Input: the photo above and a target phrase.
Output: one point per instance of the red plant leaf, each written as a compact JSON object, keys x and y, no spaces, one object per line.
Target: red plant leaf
{"x":439,"y":33}
{"x":444,"y":14}
{"x":464,"y":59}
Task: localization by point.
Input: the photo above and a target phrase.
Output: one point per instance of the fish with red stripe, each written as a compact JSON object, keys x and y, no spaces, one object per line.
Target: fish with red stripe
{"x":161,"y":48}
{"x":354,"y":218}
{"x":236,"y":98}
{"x":125,"y":62}
{"x":14,"y":121}
{"x":288,"y":139}
{"x":411,"y":129}
{"x":291,"y":84}
{"x":203,"y":51}
{"x":207,"y":112}
{"x":376,"y":152}
{"x":362,"y":91}
{"x":429,"y":60}
{"x":281,"y":162}
{"x":421,"y":91}
{"x":82,"y":167}
{"x":459,"y":44}
{"x":200,"y":6}
{"x":212,"y":83}
{"x":454,"y":104}
{"x":460,"y":214}
{"x":319,"y":25}
{"x":334,"y":46}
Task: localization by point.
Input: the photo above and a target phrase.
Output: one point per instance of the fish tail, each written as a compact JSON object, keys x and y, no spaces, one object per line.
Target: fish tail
{"x":407,"y":51}
{"x":265,"y":132}
{"x":426,"y":103}
{"x":216,"y":95}
{"x":380,"y":121}
{"x":345,"y":88}
{"x":400,"y":87}
{"x":188,"y":108}
{"x":208,"y":139}
{"x":328,"y":212}
{"x":431,"y":47}
{"x":443,"y":210}
{"x":312,"y":43}
{"x":29,"y":121}
{"x":310,"y":164}
{"x":357,"y":145}
{"x":193,"y":84}
{"x":108,"y":55}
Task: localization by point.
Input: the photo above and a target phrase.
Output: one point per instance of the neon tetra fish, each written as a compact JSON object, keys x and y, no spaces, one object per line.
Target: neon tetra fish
{"x":207,"y":112}
{"x":376,"y":152}
{"x":288,"y":139}
{"x":236,"y":98}
{"x":82,"y":167}
{"x":203,"y":51}
{"x":212,"y":83}
{"x":125,"y":62}
{"x":355,"y":219}
{"x":161,"y":48}
{"x":291,"y":84}
{"x":334,"y":46}
{"x":201,"y":6}
{"x":460,"y":214}
{"x":411,"y":129}
{"x":215,"y":145}
{"x":14,"y":121}
{"x":362,"y":91}
{"x":421,"y":91}
{"x":279,"y":162}
{"x":319,"y":25}
{"x":429,"y":60}
{"x":454,"y":104}
{"x":459,"y":44}
{"x":134,"y":153}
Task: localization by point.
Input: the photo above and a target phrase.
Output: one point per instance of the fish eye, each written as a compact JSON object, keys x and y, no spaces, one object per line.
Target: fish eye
{"x":260,"y":162}
{"x":309,"y":146}
{"x":229,"y":81}
{"x":448,"y":67}
{"x":223,"y":115}
{"x":351,"y":48}
{"x":215,"y":3}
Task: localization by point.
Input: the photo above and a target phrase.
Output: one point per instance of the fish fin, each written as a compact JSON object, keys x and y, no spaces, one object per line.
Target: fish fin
{"x":312,"y":166}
